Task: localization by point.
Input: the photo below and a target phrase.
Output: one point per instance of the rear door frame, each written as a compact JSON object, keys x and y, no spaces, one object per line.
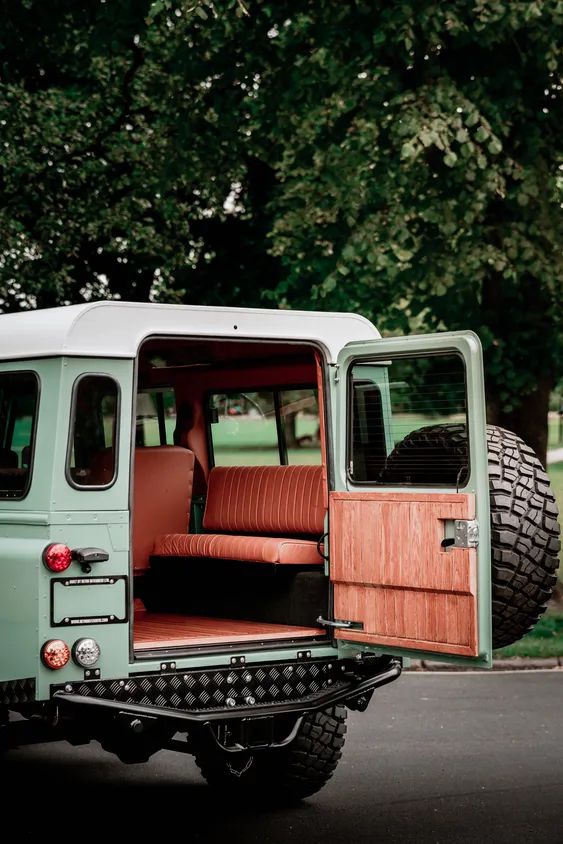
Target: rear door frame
{"x":468,"y":346}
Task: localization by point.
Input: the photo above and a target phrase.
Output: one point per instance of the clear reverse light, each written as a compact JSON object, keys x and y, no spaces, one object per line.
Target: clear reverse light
{"x":86,"y":652}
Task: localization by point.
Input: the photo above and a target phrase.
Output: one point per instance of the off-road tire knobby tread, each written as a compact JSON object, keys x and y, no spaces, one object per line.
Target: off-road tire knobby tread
{"x":279,"y":775}
{"x":524,"y":529}
{"x":524,"y":536}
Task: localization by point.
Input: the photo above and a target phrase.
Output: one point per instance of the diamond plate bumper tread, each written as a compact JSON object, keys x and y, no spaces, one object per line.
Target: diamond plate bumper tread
{"x":219,"y":688}
{"x":15,"y":692}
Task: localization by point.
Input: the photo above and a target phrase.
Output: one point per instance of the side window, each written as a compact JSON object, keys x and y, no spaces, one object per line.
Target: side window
{"x":265,"y":428}
{"x":409,"y":422}
{"x":245,"y":432}
{"x":156,"y":417}
{"x":19,"y":393}
{"x":368,"y":442}
{"x":92,"y":452}
{"x":299,"y":411}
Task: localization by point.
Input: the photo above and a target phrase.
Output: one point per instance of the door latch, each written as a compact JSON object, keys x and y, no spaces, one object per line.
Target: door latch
{"x":340,"y":625}
{"x":466,"y":534}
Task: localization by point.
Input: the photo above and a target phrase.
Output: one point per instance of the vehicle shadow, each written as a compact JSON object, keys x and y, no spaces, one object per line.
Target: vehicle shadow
{"x":92,"y":794}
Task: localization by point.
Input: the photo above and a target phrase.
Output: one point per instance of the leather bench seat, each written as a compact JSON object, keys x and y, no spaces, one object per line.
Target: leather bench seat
{"x":261,"y":514}
{"x":250,"y":549}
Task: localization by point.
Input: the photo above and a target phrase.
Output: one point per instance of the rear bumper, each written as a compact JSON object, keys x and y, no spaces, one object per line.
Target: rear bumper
{"x":185,"y":700}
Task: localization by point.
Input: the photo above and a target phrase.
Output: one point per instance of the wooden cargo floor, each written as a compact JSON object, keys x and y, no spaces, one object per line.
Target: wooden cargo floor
{"x":165,"y":630}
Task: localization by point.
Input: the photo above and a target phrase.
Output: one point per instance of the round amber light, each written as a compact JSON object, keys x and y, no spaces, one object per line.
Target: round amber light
{"x":55,"y":654}
{"x":57,"y":557}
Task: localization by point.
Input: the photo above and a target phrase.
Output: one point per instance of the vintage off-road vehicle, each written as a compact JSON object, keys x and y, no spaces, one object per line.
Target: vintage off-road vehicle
{"x":219,"y":528}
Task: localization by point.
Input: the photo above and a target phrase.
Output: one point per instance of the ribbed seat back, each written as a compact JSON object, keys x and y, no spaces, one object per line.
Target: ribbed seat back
{"x":276,"y":500}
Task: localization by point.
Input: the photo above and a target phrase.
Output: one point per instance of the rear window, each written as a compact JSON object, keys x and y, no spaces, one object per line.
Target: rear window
{"x":19,"y":392}
{"x":92,"y":451}
{"x":409,"y":422}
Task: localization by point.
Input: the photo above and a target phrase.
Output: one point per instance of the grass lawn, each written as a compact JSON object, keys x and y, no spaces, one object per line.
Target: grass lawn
{"x":555,"y":472}
{"x":554,"y":431}
{"x":546,"y":639}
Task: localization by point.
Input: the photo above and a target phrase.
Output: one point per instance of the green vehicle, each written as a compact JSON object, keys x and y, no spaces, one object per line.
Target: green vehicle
{"x":222,"y":528}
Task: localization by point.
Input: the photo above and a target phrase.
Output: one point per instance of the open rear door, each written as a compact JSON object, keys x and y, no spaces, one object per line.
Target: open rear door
{"x":409,"y":512}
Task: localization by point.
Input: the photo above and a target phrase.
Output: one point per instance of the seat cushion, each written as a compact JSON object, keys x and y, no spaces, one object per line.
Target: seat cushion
{"x":278,"y":500}
{"x":250,"y":549}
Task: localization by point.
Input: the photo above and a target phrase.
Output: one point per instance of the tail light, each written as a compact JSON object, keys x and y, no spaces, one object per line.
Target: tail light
{"x":55,"y":654}
{"x":86,"y":652}
{"x":57,"y":557}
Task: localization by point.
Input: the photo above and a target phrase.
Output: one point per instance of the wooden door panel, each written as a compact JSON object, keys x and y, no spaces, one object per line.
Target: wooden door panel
{"x":391,"y":573}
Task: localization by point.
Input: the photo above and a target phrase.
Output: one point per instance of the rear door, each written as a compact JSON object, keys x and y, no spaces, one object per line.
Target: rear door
{"x":409,"y":512}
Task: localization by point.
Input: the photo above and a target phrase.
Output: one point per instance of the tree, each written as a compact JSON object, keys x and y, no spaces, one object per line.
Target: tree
{"x":395,"y":159}
{"x":416,"y":148}
{"x":115,"y":163}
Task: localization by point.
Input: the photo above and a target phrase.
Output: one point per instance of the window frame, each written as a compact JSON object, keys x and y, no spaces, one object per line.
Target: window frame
{"x":275,"y":390}
{"x":71,"y":426}
{"x":33,"y":437}
{"x":350,"y":429}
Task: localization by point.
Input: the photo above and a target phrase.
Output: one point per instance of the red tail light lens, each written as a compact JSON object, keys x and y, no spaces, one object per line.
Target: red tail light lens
{"x":57,"y":557}
{"x":55,"y":654}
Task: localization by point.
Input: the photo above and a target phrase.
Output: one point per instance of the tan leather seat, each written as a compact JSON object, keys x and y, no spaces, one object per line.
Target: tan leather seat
{"x":257,"y":500}
{"x":162,"y":494}
{"x":249,"y":549}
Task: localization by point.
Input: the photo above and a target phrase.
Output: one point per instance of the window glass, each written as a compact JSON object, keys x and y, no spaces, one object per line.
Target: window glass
{"x":93,"y":440}
{"x":18,"y":411}
{"x":299,"y":411}
{"x":266,"y":427}
{"x":156,"y":417}
{"x":409,"y":422}
{"x":245,"y":431}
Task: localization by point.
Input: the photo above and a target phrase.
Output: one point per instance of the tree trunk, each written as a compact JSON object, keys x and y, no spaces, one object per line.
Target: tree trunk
{"x":529,"y":420}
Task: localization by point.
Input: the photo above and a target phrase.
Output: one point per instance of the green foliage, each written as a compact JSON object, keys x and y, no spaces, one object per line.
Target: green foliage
{"x":400,"y":160}
{"x":109,"y":142}
{"x":417,"y":154}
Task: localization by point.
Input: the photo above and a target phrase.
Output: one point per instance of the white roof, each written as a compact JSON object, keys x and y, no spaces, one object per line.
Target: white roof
{"x":116,"y":329}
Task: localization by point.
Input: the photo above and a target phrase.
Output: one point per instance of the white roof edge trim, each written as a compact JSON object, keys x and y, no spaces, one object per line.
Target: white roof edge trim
{"x":116,"y":329}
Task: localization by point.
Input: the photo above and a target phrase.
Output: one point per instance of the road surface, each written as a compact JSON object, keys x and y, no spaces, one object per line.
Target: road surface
{"x":437,"y":758}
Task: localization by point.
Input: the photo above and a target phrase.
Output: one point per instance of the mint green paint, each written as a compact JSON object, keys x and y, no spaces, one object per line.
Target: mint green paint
{"x":90,"y":601}
{"x":206,"y":660}
{"x":64,"y":496}
{"x":13,"y":518}
{"x":20,"y":553}
{"x":53,"y":511}
{"x":468,"y":345}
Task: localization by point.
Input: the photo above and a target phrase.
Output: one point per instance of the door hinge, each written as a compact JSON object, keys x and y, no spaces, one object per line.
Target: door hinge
{"x":336,"y":372}
{"x":466,"y":534}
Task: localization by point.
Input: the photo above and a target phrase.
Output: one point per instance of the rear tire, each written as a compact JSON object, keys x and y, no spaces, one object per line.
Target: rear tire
{"x":280,"y":775}
{"x":524,"y":529}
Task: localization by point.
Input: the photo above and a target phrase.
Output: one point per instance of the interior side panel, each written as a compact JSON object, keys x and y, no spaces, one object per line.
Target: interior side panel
{"x":391,"y":573}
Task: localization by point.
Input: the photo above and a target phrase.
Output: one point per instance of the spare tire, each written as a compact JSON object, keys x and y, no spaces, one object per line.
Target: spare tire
{"x":524,"y":529}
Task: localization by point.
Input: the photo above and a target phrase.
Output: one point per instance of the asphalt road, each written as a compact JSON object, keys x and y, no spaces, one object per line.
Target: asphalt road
{"x":437,"y":758}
